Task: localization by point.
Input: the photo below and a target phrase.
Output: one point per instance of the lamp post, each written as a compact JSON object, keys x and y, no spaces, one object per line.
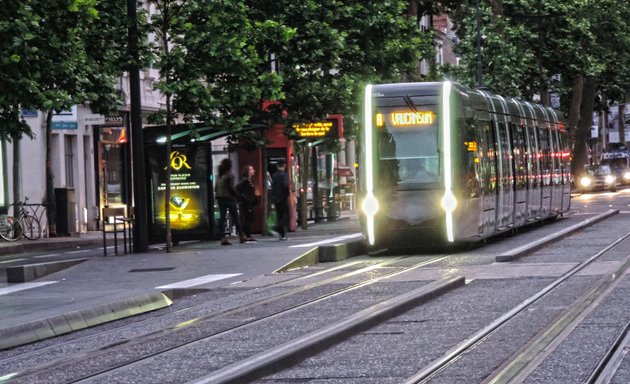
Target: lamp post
{"x":140,"y":234}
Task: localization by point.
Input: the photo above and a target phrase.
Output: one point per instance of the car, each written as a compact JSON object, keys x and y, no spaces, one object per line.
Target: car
{"x":620,"y":166}
{"x":597,"y":177}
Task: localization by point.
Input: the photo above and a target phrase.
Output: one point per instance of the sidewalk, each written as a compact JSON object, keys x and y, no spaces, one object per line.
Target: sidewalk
{"x":95,"y":238}
{"x":101,"y":289}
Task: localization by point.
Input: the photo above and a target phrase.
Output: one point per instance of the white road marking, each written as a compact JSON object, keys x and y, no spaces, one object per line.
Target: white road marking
{"x":83,"y":250}
{"x":10,"y":261}
{"x":23,"y":286}
{"x":197,"y":281}
{"x":47,"y":255}
{"x":328,"y":241}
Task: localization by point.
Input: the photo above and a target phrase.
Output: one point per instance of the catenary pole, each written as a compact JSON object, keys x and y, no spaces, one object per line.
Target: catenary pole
{"x":140,"y":230}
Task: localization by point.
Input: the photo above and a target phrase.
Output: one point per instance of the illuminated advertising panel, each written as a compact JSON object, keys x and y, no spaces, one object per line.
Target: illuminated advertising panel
{"x":189,"y":200}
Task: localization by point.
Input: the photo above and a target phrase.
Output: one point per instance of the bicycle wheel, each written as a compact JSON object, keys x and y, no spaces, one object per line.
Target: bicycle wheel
{"x":10,"y":228}
{"x":31,"y":228}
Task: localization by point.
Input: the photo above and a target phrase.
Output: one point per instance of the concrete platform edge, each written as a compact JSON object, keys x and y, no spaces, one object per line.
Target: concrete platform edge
{"x":341,"y":251}
{"x":308,"y":258}
{"x":520,"y":251}
{"x":29,"y":272}
{"x":326,"y":253}
{"x":72,"y":321}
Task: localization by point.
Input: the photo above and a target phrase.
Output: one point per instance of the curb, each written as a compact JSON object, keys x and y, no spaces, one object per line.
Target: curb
{"x":48,"y":245}
{"x":73,"y":321}
{"x":341,"y":251}
{"x":326,"y":253}
{"x":29,"y":272}
{"x":522,"y":250}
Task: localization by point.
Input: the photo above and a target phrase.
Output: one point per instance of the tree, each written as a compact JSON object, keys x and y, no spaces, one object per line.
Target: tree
{"x":576,"y":49}
{"x":212,"y":63}
{"x":56,"y":55}
{"x":338,"y":47}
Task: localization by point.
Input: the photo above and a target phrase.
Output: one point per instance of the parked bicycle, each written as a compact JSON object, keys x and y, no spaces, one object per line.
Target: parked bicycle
{"x":10,"y":228}
{"x":26,"y":222}
{"x":27,"y":217}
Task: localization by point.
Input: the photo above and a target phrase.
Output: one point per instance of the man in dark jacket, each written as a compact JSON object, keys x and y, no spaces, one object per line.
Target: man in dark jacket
{"x":280,"y":197}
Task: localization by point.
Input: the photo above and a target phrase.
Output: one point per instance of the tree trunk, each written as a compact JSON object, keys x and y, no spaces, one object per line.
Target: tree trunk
{"x":576,"y":101}
{"x":51,"y":209}
{"x":580,"y":156}
{"x":622,"y":125}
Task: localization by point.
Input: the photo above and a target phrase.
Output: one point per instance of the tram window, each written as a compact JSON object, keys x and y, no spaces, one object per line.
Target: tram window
{"x":520,"y":162}
{"x":504,"y":158}
{"x":545,"y":155}
{"x":532,"y":156}
{"x":556,"y":159}
{"x":408,"y":155}
{"x":487,"y":158}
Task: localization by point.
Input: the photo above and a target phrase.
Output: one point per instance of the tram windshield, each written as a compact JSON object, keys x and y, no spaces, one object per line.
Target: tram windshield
{"x":408,"y":147}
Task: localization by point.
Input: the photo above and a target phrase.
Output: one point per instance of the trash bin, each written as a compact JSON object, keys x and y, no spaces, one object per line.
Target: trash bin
{"x":65,"y":207}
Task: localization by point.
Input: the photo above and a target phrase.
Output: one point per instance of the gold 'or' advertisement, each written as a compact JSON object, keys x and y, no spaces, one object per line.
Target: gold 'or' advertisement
{"x":186,"y":203}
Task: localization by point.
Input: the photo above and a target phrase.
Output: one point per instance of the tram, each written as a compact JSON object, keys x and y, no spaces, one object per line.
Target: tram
{"x":443,"y":163}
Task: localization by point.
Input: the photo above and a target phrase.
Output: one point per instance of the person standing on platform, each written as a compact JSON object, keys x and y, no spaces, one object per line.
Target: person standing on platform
{"x":280,"y":197}
{"x":227,"y":197}
{"x":247,"y":200}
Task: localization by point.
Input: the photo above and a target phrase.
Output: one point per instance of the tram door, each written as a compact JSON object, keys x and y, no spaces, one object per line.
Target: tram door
{"x":505,"y":206}
{"x":520,"y":174}
{"x":488,"y":170}
{"x":533,"y":180}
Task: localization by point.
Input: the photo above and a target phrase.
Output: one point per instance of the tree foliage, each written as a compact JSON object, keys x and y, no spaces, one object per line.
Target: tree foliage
{"x":55,"y":54}
{"x":533,"y":47}
{"x":338,"y":47}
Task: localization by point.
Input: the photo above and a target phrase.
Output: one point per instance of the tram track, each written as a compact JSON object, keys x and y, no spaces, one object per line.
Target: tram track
{"x":612,"y":359}
{"x":96,"y":372}
{"x":180,"y":335}
{"x":526,"y":360}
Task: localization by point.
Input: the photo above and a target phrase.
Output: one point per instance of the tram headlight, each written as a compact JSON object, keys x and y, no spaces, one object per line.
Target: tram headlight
{"x":609,"y":179}
{"x":370,"y":205}
{"x":449,"y":202}
{"x":585,"y":181}
{"x":626,"y":176}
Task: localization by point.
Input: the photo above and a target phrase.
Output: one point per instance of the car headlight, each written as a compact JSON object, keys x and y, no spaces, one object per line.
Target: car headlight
{"x":626,"y":175}
{"x":609,"y":179}
{"x":585,"y":181}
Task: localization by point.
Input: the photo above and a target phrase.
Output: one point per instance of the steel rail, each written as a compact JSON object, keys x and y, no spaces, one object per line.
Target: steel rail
{"x":158,"y":317}
{"x":522,"y":365}
{"x":83,"y":358}
{"x":457,"y":351}
{"x":611,"y":360}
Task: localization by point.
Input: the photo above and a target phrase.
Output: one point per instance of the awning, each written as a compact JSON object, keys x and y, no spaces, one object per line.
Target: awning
{"x":344,"y":172}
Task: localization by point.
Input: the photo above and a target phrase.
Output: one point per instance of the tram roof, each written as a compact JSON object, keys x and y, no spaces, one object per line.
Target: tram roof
{"x":478,"y":99}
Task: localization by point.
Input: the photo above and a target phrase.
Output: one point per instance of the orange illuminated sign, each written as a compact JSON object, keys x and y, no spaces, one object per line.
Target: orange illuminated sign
{"x":329,"y":128}
{"x":406,"y":118}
